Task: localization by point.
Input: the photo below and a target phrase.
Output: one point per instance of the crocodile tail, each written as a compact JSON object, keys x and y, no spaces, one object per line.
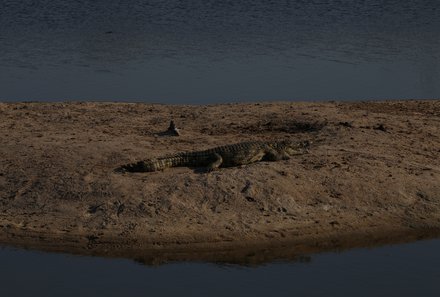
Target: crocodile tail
{"x":158,"y":164}
{"x":141,"y":166}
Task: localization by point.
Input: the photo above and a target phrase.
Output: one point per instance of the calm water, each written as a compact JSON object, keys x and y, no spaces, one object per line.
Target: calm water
{"x":405,"y":270}
{"x":205,"y":51}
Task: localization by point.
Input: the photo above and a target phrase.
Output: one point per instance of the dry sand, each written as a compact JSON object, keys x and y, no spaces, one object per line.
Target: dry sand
{"x":372,"y":176}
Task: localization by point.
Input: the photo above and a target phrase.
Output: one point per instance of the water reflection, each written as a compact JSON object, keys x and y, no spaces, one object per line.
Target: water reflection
{"x":403,"y":270}
{"x":251,"y":254}
{"x":198,"y":51}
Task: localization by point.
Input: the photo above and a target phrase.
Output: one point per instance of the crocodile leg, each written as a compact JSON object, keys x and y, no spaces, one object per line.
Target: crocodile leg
{"x":215,"y":164}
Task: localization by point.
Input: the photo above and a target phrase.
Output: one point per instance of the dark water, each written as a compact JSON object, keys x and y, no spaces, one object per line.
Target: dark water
{"x":204,"y":51}
{"x":402,"y":270}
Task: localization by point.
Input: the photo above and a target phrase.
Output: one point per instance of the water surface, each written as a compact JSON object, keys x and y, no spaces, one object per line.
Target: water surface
{"x":206,"y":51}
{"x":400,"y":270}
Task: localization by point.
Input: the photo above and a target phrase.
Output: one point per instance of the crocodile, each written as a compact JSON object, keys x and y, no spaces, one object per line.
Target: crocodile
{"x":223,"y":156}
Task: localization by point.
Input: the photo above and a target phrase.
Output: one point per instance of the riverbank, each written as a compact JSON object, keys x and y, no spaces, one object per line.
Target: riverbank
{"x":373,"y":171}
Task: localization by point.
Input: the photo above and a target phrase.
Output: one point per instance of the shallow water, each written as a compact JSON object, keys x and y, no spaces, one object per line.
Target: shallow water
{"x":400,"y":270}
{"x":206,"y":51}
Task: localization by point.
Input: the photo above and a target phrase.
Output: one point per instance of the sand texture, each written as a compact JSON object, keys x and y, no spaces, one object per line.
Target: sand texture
{"x":372,"y":172}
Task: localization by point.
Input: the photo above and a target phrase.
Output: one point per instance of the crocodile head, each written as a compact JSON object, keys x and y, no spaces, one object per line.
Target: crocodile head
{"x":292,"y":148}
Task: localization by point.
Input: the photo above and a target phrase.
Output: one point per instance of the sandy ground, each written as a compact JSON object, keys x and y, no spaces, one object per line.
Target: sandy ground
{"x":372,"y":176}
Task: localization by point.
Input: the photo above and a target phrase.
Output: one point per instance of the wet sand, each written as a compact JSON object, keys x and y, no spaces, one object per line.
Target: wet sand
{"x":372,"y":176}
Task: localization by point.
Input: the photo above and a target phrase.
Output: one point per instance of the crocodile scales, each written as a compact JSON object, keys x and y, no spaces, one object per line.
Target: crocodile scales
{"x":223,"y":156}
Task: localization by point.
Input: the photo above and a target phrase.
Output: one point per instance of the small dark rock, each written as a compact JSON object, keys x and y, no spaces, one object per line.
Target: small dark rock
{"x":94,"y":208}
{"x":171,"y":131}
{"x":250,"y":199}
{"x":345,"y":124}
{"x":121,"y":208}
{"x":380,"y":127}
{"x":246,"y":187}
{"x":422,"y":195}
{"x":334,"y":223}
{"x":92,"y":238}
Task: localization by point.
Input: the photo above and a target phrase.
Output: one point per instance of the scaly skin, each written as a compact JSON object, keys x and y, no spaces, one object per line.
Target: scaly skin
{"x":223,"y":156}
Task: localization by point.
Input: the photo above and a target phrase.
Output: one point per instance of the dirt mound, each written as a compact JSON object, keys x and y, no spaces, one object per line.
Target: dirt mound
{"x":373,"y":166}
